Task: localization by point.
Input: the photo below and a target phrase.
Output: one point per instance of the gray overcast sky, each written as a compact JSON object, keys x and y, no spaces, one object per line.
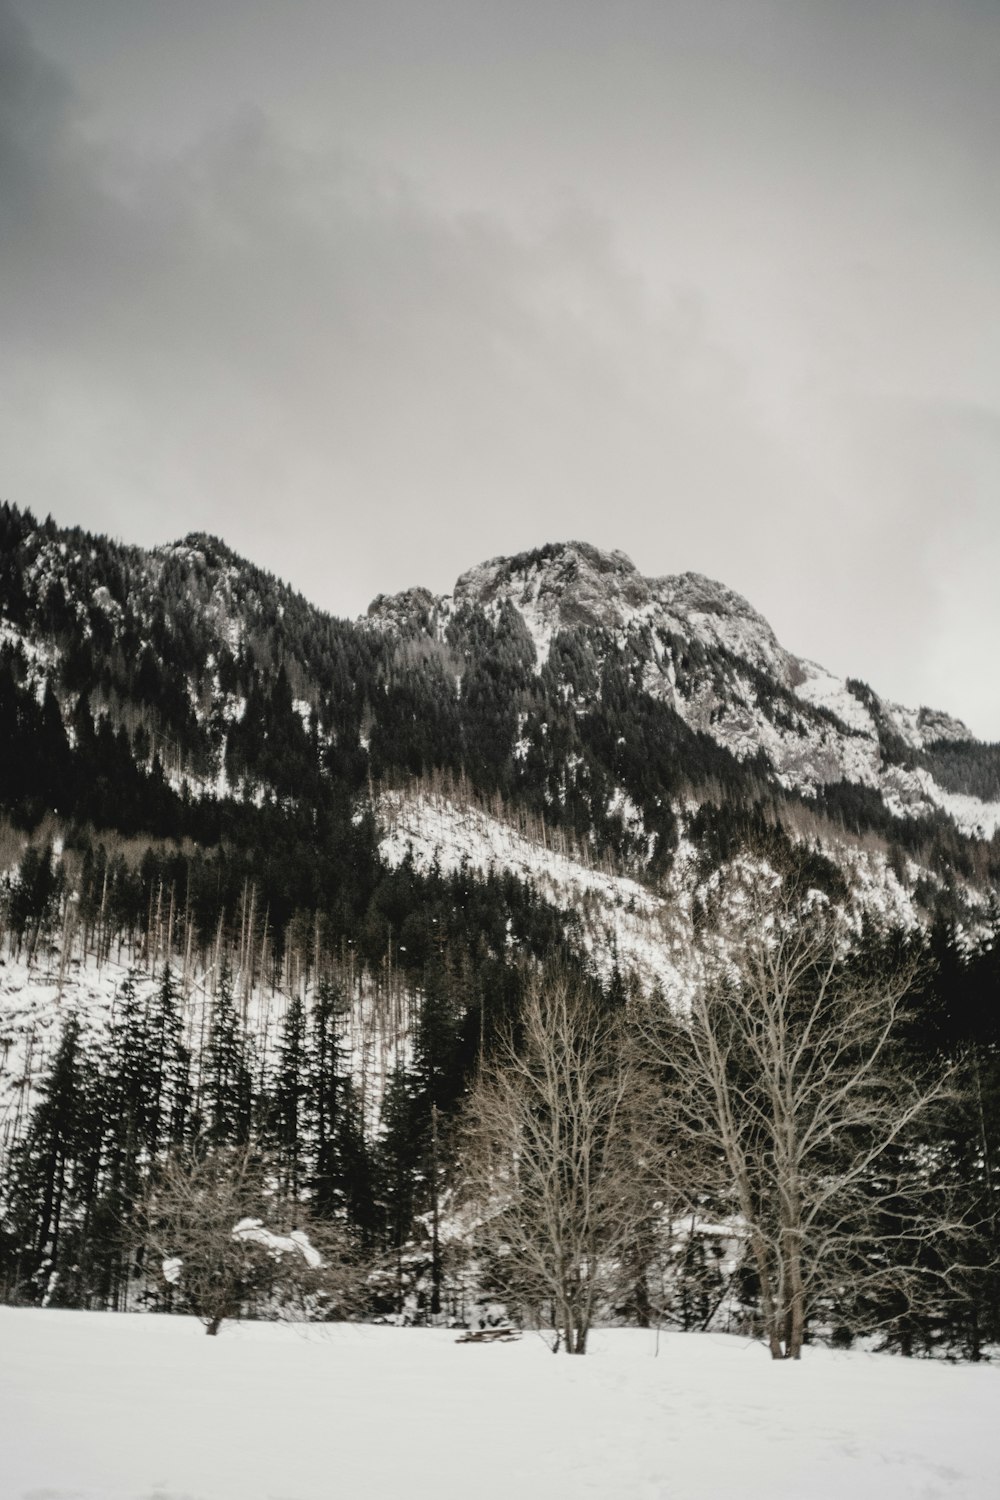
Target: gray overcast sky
{"x":375,"y":289}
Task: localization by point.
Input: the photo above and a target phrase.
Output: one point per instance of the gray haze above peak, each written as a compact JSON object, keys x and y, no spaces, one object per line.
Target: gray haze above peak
{"x":372,"y":290}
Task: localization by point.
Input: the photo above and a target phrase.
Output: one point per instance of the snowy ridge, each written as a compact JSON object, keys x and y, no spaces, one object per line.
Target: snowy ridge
{"x":814,"y":730}
{"x":699,"y":645}
{"x":911,"y":793}
{"x":576,"y":584}
{"x":805,"y":751}
{"x":618,"y":921}
{"x":822,"y":689}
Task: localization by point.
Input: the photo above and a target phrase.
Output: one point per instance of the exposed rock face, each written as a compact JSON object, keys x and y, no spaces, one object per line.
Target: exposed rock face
{"x":405,"y":612}
{"x":572,"y":584}
{"x":707,"y":651}
{"x":561,"y":587}
{"x":934,"y":726}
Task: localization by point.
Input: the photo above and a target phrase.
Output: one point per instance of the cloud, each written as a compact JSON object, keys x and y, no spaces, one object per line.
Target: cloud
{"x":252,"y":327}
{"x":733,"y":365}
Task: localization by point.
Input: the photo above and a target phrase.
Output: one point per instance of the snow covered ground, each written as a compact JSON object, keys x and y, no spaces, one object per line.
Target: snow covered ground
{"x":98,"y":1406}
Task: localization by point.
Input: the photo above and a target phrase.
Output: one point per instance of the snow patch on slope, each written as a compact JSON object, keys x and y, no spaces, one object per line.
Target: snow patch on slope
{"x":920,"y":727}
{"x":823,"y":690}
{"x":645,"y":932}
{"x":911,"y":794}
{"x":620,"y":919}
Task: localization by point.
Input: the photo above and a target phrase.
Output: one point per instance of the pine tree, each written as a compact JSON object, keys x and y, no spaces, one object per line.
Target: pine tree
{"x":125,"y":1088}
{"x":399,"y":1154}
{"x":167,"y":1068}
{"x":290,"y":1096}
{"x":356,"y":1167}
{"x":228,"y":1084}
{"x":53,"y":1170}
{"x":328,"y":1082}
{"x":35,"y":895}
{"x":438,"y":1077}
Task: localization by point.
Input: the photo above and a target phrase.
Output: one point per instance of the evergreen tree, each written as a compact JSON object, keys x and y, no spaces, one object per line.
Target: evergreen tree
{"x":53,"y":1171}
{"x":228,"y":1087}
{"x":328,"y":1081}
{"x":126,"y":1092}
{"x":291,"y":1089}
{"x":168,"y":1067}
{"x":35,"y":896}
{"x":399,"y":1157}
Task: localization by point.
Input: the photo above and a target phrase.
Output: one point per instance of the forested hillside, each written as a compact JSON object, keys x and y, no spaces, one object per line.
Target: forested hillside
{"x":280,"y":882}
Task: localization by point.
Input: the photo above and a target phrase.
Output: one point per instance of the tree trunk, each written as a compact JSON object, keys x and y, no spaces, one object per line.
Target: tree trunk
{"x":769,"y":1308}
{"x":797,"y":1311}
{"x":435,"y":1236}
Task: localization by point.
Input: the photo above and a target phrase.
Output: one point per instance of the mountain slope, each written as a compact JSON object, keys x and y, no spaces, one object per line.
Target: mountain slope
{"x":179,"y":690}
{"x":704,"y":650}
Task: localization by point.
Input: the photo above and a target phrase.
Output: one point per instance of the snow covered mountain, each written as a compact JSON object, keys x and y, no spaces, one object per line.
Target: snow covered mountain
{"x":706,"y":652}
{"x":182,"y":691}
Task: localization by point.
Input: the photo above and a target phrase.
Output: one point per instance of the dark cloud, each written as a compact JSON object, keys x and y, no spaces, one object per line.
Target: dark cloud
{"x":392,"y":360}
{"x":381,"y":290}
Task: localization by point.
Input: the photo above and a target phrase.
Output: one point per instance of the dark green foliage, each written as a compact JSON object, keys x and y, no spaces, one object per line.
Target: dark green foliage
{"x":964,"y":766}
{"x":328,"y":1084}
{"x":399,"y":1153}
{"x":227,"y":1087}
{"x":35,"y":894}
{"x":290,"y":1095}
{"x":953,"y":1022}
{"x":53,"y":1178}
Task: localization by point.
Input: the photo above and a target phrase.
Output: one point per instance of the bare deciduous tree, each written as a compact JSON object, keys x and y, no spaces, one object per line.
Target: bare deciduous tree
{"x":787,"y":1098}
{"x":225,"y":1242}
{"x":552,"y":1160}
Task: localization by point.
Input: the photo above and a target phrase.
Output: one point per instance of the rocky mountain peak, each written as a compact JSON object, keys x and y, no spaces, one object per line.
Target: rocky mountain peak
{"x":935,"y":726}
{"x":409,"y":610}
{"x":561,"y":586}
{"x":574,"y":580}
{"x":709,"y":654}
{"x":564,"y":585}
{"x":571,"y":584}
{"x":693,"y":593}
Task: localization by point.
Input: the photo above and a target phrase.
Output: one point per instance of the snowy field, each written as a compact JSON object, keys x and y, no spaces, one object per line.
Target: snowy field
{"x":98,"y":1406}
